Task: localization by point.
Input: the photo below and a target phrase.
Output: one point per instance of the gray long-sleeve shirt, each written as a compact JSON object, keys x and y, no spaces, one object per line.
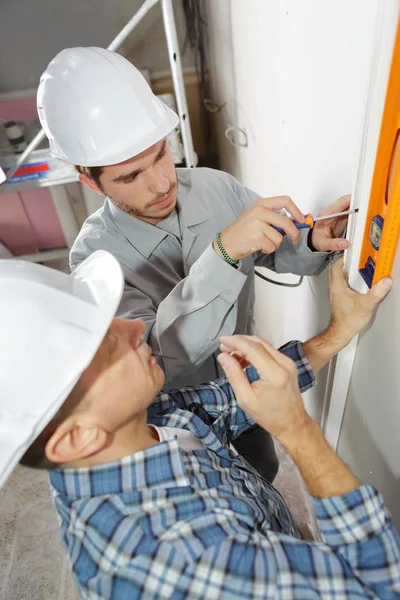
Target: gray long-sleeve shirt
{"x":185,"y":292}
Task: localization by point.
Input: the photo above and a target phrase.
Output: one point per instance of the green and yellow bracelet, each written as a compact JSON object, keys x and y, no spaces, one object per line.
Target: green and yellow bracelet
{"x":224,"y":252}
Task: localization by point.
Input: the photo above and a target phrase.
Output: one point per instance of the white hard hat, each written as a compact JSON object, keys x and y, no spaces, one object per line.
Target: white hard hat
{"x":51,"y":326}
{"x":97,"y":109}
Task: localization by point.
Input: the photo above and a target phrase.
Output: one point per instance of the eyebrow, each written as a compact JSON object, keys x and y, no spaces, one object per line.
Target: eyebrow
{"x":128,"y":176}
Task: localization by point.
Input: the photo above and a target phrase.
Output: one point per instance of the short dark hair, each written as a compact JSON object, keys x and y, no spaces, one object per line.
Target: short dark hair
{"x":93,"y":173}
{"x":35,"y":456}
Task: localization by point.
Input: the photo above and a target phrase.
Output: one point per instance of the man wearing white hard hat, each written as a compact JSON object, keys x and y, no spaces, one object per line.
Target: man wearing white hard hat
{"x":153,"y":502}
{"x":187,"y":239}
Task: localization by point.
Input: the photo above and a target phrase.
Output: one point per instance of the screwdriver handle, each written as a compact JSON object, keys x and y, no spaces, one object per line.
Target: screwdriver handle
{"x":308,"y":224}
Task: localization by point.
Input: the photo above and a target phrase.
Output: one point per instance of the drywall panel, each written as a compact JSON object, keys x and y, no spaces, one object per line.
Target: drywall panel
{"x":301,"y":73}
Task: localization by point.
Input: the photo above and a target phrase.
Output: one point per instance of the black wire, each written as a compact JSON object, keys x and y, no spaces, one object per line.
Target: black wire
{"x":289,"y":285}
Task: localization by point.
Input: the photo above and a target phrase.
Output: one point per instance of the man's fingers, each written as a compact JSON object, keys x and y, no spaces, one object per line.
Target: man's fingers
{"x":338,"y":283}
{"x":278,"y":356}
{"x":232,"y":343}
{"x":279,"y":202}
{"x":237,"y":355}
{"x":234,"y":372}
{"x":338,"y":265}
{"x":340,"y":205}
{"x":337,"y":277}
{"x":257,"y":352}
{"x":241,"y":360}
{"x":325,"y":244}
{"x":283,"y":222}
{"x":379,"y":291}
{"x":271,"y":236}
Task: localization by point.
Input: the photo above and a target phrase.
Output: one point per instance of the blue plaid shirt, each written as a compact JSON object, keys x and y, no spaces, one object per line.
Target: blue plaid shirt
{"x":166,"y":523}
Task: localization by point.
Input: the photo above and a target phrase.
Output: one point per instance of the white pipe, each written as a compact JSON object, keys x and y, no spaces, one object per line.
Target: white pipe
{"x":177,"y":77}
{"x":130,"y":26}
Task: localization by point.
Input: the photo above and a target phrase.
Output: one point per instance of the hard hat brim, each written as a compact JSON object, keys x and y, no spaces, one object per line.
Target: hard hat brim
{"x":99,"y":279}
{"x":101,"y":157}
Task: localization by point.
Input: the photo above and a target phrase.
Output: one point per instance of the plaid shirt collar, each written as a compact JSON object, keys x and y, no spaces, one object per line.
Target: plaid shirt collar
{"x":157,"y":467}
{"x":160,"y":466}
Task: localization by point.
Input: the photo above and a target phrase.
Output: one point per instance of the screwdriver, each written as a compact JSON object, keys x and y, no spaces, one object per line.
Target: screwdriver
{"x":310,"y":220}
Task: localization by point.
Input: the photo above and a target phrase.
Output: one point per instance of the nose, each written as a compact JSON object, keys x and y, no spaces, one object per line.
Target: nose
{"x":131,"y":330}
{"x":137,"y":327}
{"x":158,"y":183}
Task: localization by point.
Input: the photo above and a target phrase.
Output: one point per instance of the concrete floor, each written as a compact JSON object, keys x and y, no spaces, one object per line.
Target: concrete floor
{"x":32,"y":562}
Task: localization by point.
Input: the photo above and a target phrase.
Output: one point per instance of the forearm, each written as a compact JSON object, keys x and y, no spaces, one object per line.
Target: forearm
{"x":190,"y":319}
{"x":324,"y":346}
{"x":324,"y":473}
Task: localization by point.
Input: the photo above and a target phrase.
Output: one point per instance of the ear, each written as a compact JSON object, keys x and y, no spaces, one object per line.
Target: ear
{"x":90,"y":183}
{"x":73,"y":441}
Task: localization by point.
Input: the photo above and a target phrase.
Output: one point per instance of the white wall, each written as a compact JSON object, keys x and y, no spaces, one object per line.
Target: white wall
{"x":298,"y":78}
{"x":31,"y":34}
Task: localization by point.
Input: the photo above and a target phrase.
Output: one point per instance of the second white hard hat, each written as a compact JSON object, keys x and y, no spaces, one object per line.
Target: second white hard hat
{"x":51,"y":326}
{"x":97,"y":109}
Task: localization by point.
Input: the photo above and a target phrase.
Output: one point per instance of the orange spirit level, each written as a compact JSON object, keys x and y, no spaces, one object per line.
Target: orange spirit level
{"x":382,"y":226}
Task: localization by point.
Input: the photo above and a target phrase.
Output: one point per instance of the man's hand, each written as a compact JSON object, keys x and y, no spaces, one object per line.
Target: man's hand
{"x":252,"y":231}
{"x":325,"y":236}
{"x":352,"y":312}
{"x":273,"y":401}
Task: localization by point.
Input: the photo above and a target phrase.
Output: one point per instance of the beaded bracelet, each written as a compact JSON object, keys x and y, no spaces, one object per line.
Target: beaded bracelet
{"x":224,"y":252}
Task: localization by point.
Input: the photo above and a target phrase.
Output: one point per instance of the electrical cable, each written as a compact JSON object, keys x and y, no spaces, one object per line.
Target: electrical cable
{"x":289,"y":285}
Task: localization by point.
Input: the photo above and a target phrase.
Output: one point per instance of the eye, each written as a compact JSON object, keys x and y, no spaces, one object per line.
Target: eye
{"x":130,"y":179}
{"x":162,"y":153}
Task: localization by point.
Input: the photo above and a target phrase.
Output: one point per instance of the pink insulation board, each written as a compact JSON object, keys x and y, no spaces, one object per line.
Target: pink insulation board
{"x":28,"y":219}
{"x":16,"y":231}
{"x":43,"y":217}
{"x":19,"y":110}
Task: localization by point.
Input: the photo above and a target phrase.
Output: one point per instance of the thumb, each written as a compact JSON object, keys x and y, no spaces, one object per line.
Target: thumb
{"x":235,"y":374}
{"x":380,"y":290}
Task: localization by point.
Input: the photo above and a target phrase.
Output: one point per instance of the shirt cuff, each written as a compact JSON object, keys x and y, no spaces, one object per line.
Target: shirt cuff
{"x":222,"y":275}
{"x":352,"y":517}
{"x":305,"y":374}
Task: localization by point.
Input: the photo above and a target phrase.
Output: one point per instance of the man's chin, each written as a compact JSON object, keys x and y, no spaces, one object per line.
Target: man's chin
{"x":163,"y":212}
{"x":160,"y":379}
